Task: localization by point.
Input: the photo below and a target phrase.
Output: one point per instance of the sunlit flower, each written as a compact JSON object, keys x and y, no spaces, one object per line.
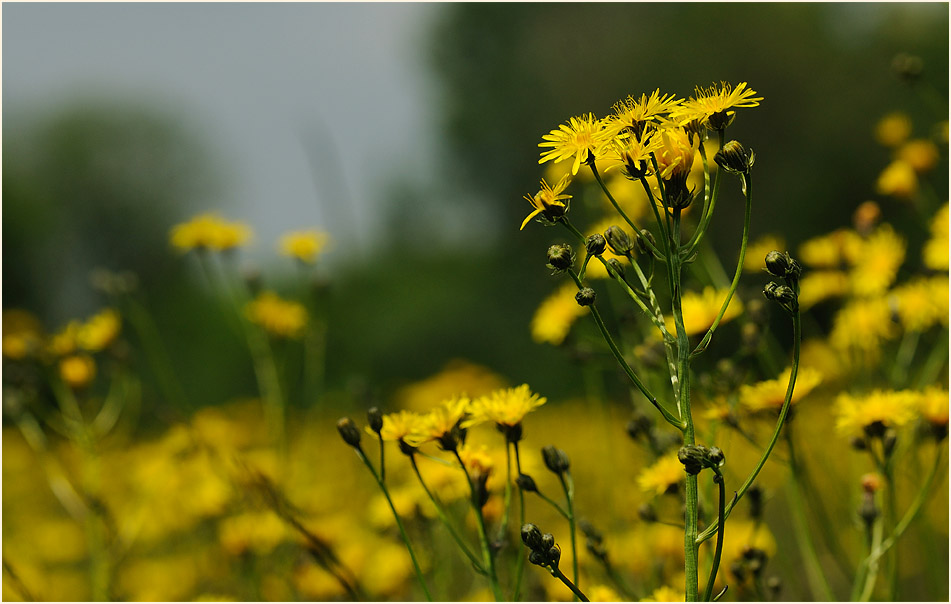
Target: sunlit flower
{"x":770,"y":394}
{"x":557,"y":313}
{"x":552,"y":202}
{"x":700,"y":310}
{"x":933,"y":405}
{"x":663,"y":476}
{"x":893,"y":129}
{"x":874,"y":411}
{"x":209,"y":232}
{"x":816,"y":286}
{"x":22,"y":334}
{"x":916,"y":305}
{"x":921,"y":154}
{"x":504,"y":407}
{"x":898,"y":179}
{"x":477,"y":461}
{"x":632,"y":155}
{"x":676,"y":154}
{"x":99,"y":331}
{"x":64,"y":341}
{"x":862,"y":325}
{"x":280,"y":317}
{"x":756,"y":251}
{"x":828,"y":251}
{"x":936,"y":250}
{"x":634,"y":114}
{"x":258,"y":532}
{"x":440,"y":423}
{"x":602,"y":593}
{"x":876,"y":261}
{"x":77,"y":370}
{"x":714,"y":106}
{"x":304,"y":245}
{"x":579,"y":139}
{"x":665,"y":594}
{"x":403,"y":426}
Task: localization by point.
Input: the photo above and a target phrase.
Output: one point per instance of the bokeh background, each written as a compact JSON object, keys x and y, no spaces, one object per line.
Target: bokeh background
{"x":409,"y":133}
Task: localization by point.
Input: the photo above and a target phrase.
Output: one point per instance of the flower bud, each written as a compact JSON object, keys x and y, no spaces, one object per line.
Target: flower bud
{"x":781,"y":264}
{"x":536,"y":557}
{"x":348,"y":431}
{"x":642,"y":240}
{"x":783,"y":294}
{"x":556,"y":460}
{"x":693,"y":457}
{"x":585,"y":296}
{"x":526,"y":483}
{"x":907,"y":67}
{"x":375,"y":419}
{"x":616,"y":266}
{"x":560,"y":258}
{"x":554,"y":555}
{"x":715,"y":457}
{"x":868,"y":512}
{"x":547,"y":542}
{"x":618,"y":240}
{"x":721,"y":120}
{"x":595,"y":244}
{"x":734,"y":158}
{"x":531,"y":536}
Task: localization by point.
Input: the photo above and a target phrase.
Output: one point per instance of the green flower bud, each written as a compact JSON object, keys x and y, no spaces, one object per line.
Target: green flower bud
{"x":618,"y":240}
{"x":556,"y":460}
{"x":531,"y":536}
{"x":348,"y":431}
{"x":616,"y":266}
{"x":375,"y":419}
{"x":595,"y":244}
{"x":782,"y":265}
{"x":560,"y":258}
{"x":526,"y":483}
{"x":783,"y":294}
{"x":554,"y":555}
{"x":547,"y":542}
{"x":585,"y":296}
{"x":715,"y":457}
{"x":734,"y":158}
{"x":641,"y":242}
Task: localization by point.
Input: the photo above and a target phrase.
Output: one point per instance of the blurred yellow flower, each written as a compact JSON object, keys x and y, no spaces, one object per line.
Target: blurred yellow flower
{"x":257,"y":532}
{"x":933,"y":405}
{"x":828,"y":251}
{"x":558,"y":312}
{"x":602,"y":593}
{"x":77,"y":370}
{"x":304,"y":245}
{"x":893,"y":129}
{"x":553,"y":202}
{"x":458,"y":377}
{"x":816,"y":286}
{"x":936,"y":250}
{"x":743,"y":535}
{"x":898,"y":179}
{"x":665,"y":594}
{"x":770,"y":394}
{"x":477,"y":461}
{"x":403,"y":426}
{"x":862,"y":325}
{"x":22,"y":333}
{"x":876,"y":261}
{"x":439,"y":423}
{"x":505,"y":407}
{"x":920,"y":154}
{"x":756,"y":251}
{"x":209,"y":232}
{"x":717,"y":102}
{"x":579,"y":139}
{"x":279,"y":317}
{"x":701,"y":309}
{"x":888,"y":408}
{"x":99,"y":331}
{"x":663,"y":476}
{"x":64,"y":341}
{"x":917,"y":306}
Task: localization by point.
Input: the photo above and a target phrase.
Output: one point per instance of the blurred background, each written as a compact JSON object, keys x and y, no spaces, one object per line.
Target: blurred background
{"x":409,"y":133}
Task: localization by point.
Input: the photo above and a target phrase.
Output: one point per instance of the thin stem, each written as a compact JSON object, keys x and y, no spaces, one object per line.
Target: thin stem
{"x":556,"y":572}
{"x":568,"y":486}
{"x":708,"y":591}
{"x":637,"y":231}
{"x":705,"y":218}
{"x":399,"y":523}
{"x":739,"y":269}
{"x":441,"y":513}
{"x":871,"y":565}
{"x":794,"y":371}
{"x":488,"y":558}
{"x":520,"y":565}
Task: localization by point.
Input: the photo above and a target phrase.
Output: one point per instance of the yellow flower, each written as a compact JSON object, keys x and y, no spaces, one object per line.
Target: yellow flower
{"x":746,"y":534}
{"x":303,"y":245}
{"x":816,"y":286}
{"x":64,"y":341}
{"x":876,"y":262}
{"x":258,"y":532}
{"x":920,"y":154}
{"x":713,"y":106}
{"x":936,"y":250}
{"x":99,"y":331}
{"x":602,"y":593}
{"x":893,"y":129}
{"x":579,"y":139}
{"x":632,"y":154}
{"x":663,"y":476}
{"x":210,"y":232}
{"x":675,"y":157}
{"x":828,"y":251}
{"x":403,"y":426}
{"x":550,"y":201}
{"x":756,"y":251}
{"x":631,"y":116}
{"x":22,"y":334}
{"x":457,"y":377}
{"x":556,"y":314}
{"x":874,"y":411}
{"x":77,"y":370}
{"x":917,"y":307}
{"x":933,"y":406}
{"x":862,"y":325}
{"x":770,"y":394}
{"x":898,"y":179}
{"x":477,"y":461}
{"x":439,"y":423}
{"x":700,"y":310}
{"x":665,"y":594}
{"x":278,"y":316}
{"x":505,"y":407}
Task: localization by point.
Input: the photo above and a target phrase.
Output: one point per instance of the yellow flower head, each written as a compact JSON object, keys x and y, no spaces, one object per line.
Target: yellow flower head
{"x":304,"y":245}
{"x":665,"y":594}
{"x":770,"y":394}
{"x":439,"y":423}
{"x":209,"y":232}
{"x":829,"y":251}
{"x":505,"y":407}
{"x":403,"y":426}
{"x":65,"y":341}
{"x":477,"y":461}
{"x":921,"y":154}
{"x":279,"y":317}
{"x":936,"y":249}
{"x":713,"y":106}
{"x":580,"y":139}
{"x":603,"y":593}
{"x":916,"y":305}
{"x":893,"y":129}
{"x":557,"y":313}
{"x":22,"y":334}
{"x":550,"y":201}
{"x":898,"y":179}
{"x":99,"y":331}
{"x":816,"y":286}
{"x":675,"y":157}
{"x":632,"y":115}
{"x":874,"y":411}
{"x":77,"y":370}
{"x":862,"y":325}
{"x":876,"y":261}
{"x":933,"y":406}
{"x":662,"y":477}
{"x":700,"y":310}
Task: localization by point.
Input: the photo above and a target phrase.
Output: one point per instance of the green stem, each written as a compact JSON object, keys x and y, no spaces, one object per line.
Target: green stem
{"x":705,"y":218}
{"x":708,"y":591}
{"x":637,"y":231}
{"x":488,"y":558}
{"x":441,"y":513}
{"x":891,"y":560}
{"x":520,"y":565}
{"x":739,"y":269}
{"x":871,"y":566}
{"x":556,"y":572}
{"x":568,"y":486}
{"x":399,"y":523}
{"x":794,"y":371}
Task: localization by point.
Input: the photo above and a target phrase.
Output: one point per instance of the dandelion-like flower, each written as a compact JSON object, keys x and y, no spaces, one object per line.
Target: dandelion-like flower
{"x":442,"y":423}
{"x":898,"y":179}
{"x":770,"y":394}
{"x":632,"y":154}
{"x":403,"y":426}
{"x":935,"y":252}
{"x":893,"y":129}
{"x":632,"y":115}
{"x":304,"y":245}
{"x":933,"y":406}
{"x":874,"y":411}
{"x":552,"y":202}
{"x":557,"y":313}
{"x":876,"y":261}
{"x":505,"y":407}
{"x":209,"y":232}
{"x":816,"y":286}
{"x":99,"y":331}
{"x":714,"y":106}
{"x":700,"y":310}
{"x":916,"y":305}
{"x":77,"y":370}
{"x":279,"y":317}
{"x":862,"y":325}
{"x":580,"y":139}
{"x":920,"y":154}
{"x":663,"y":476}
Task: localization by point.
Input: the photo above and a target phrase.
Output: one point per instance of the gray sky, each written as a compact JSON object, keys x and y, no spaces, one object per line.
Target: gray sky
{"x":257,"y":76}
